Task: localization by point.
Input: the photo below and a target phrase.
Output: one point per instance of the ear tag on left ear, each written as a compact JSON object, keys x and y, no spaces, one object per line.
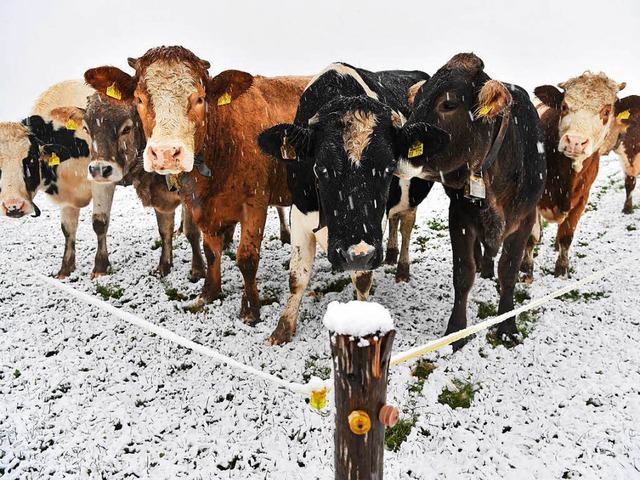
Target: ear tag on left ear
{"x":113,"y":92}
{"x":475,"y":189}
{"x":224,"y":99}
{"x":484,"y":111}
{"x":287,"y":151}
{"x":416,"y":149}
{"x":71,"y":124}
{"x":54,"y":160}
{"x":624,"y":115}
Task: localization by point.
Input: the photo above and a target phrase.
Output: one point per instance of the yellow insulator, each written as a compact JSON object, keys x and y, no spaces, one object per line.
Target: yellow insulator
{"x":359,"y":422}
{"x":318,"y":399}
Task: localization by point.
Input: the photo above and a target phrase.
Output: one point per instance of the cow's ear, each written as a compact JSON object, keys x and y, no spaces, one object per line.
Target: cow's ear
{"x":412,"y":96}
{"x":285,"y":142}
{"x":494,"y":99}
{"x":70,"y":117}
{"x":112,"y":82}
{"x":38,"y":127}
{"x":549,"y":95}
{"x":627,"y":109}
{"x":227,"y":86}
{"x":421,"y":140}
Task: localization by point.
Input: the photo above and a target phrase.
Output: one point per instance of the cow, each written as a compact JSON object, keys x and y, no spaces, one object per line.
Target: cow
{"x":479,"y":137}
{"x":190,"y":118}
{"x":624,"y":139}
{"x":116,"y":146}
{"x":41,"y":154}
{"x":340,"y":154}
{"x":576,"y":124}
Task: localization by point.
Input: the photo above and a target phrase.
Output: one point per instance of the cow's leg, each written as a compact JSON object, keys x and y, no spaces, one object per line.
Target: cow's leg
{"x":213,"y":279}
{"x":248,"y":258}
{"x":391,"y":256}
{"x":508,"y":266}
{"x":227,"y":237}
{"x":408,"y":220}
{"x":362,"y":280}
{"x":526,"y":267}
{"x":629,"y":186}
{"x":463,"y":238}
{"x":303,"y":251}
{"x":566,"y":231}
{"x":165,"y":228}
{"x":285,"y":232}
{"x":181,"y":228}
{"x":102,"y":200}
{"x":487,"y":263}
{"x":69,"y":222}
{"x":192,"y":232}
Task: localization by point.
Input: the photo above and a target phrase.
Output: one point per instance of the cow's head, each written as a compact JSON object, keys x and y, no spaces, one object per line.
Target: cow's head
{"x":29,"y":151}
{"x":350,"y":144}
{"x":626,"y":115}
{"x":586,"y":109}
{"x":116,"y":136}
{"x":171,"y":90}
{"x":455,"y":114}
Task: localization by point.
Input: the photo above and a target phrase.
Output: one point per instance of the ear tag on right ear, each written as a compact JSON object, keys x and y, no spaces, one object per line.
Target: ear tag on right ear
{"x":71,"y":124}
{"x":54,"y":160}
{"x":287,"y":151}
{"x":416,"y":149}
{"x":484,"y":111}
{"x":224,"y":99}
{"x":624,"y":115}
{"x":113,"y":92}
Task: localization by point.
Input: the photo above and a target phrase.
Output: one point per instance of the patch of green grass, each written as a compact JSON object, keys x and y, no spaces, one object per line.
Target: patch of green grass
{"x":109,"y":292}
{"x":486,"y":310}
{"x":588,"y":296}
{"x":421,"y":241}
{"x":521,"y":295}
{"x":525,"y":322}
{"x":175,"y":295}
{"x":437,"y":225}
{"x":337,"y":285}
{"x":421,"y":372}
{"x":313,"y":369}
{"x":396,"y":435}
{"x":270,"y":296}
{"x":544,"y":224}
{"x":581,"y":255}
{"x":157,"y":244}
{"x":231,"y":254}
{"x":631,"y":228}
{"x":16,"y":373}
{"x":461,"y":395}
{"x":573,"y":295}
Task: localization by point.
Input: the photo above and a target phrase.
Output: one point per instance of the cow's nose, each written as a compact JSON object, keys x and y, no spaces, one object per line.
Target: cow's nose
{"x":576,"y":143}
{"x":107,"y":170}
{"x":357,"y":257}
{"x":94,"y":171}
{"x":14,"y":207}
{"x":166,"y":157}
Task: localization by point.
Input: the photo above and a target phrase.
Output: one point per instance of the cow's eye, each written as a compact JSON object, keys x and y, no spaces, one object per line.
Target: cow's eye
{"x":449,"y":105}
{"x":320,"y":171}
{"x":126,"y":130}
{"x":564,"y":107}
{"x":200,"y":100}
{"x":139,"y":100}
{"x":85,"y":129}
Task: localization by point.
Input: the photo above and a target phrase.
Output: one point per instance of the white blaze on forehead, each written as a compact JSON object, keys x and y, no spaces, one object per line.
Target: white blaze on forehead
{"x":14,"y":147}
{"x":169,"y":86}
{"x":358,"y":127}
{"x":344,"y":71}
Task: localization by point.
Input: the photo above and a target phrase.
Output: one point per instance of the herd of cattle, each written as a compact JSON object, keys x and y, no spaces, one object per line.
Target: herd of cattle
{"x":346,"y":149}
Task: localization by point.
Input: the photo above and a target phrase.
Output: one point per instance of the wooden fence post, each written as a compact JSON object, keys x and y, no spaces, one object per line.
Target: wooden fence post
{"x":361,"y":349}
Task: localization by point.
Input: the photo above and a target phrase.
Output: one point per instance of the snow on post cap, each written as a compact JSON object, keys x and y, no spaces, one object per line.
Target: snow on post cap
{"x":357,"y":318}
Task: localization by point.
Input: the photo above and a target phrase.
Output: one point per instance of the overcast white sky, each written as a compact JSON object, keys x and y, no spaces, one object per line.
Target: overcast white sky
{"x":528,"y":43}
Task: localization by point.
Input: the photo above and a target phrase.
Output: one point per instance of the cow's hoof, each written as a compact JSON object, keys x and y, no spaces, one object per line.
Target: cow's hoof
{"x":95,"y":275}
{"x":249,"y":314}
{"x":458,"y":344}
{"x":561,"y":272}
{"x":61,"y":275}
{"x":197,"y":306}
{"x":162,"y":270}
{"x":178,"y":232}
{"x":628,"y":209}
{"x":508,"y":338}
{"x":281,"y":335}
{"x":525,"y":278}
{"x":195,"y":275}
{"x":391,"y":257}
{"x":402,"y":273}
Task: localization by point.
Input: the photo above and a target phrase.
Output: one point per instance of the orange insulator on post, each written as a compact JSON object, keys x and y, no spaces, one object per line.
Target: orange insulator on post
{"x":389,"y":415}
{"x":359,"y":422}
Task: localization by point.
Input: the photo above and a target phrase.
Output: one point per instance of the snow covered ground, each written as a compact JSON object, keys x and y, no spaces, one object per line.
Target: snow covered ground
{"x":85,"y":395}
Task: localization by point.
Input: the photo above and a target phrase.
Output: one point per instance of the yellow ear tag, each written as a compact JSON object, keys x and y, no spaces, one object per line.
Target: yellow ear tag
{"x":318,"y":399}
{"x":287,"y":151}
{"x":416,"y":149}
{"x":113,"y":92}
{"x":485,"y":110}
{"x":224,"y":99}
{"x":71,"y":124}
{"x":624,"y":115}
{"x":54,"y":160}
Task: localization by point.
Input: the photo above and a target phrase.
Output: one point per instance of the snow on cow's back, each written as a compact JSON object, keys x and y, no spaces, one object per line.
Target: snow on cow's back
{"x":69,"y":93}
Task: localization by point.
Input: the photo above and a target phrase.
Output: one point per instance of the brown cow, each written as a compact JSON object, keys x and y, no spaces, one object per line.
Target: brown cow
{"x":191,"y":118}
{"x":576,"y":125}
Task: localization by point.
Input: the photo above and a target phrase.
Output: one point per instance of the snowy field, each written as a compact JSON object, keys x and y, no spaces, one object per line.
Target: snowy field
{"x":85,"y":395}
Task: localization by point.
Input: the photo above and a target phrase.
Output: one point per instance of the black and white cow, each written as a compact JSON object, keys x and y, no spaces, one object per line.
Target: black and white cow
{"x":341,"y":154}
{"x":41,"y":154}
